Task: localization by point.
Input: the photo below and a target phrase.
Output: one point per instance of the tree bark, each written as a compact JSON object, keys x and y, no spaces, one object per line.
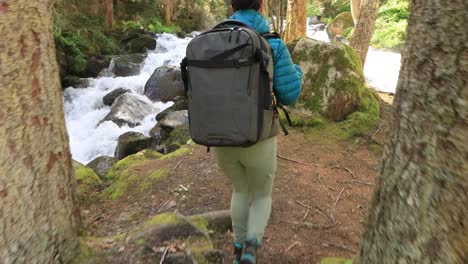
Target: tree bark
{"x":296,"y":20}
{"x":39,"y":213}
{"x":355,"y":10}
{"x":109,"y":13}
{"x":419,"y":212}
{"x":167,"y":12}
{"x":364,"y":28}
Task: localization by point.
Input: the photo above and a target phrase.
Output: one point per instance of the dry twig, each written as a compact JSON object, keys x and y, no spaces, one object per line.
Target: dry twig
{"x":164,"y":255}
{"x":315,"y":226}
{"x":327,"y":244}
{"x":306,"y":214}
{"x":346,"y":169}
{"x":358,"y":182}
{"x":293,"y":160}
{"x":338,"y":198}
{"x":292,"y":246}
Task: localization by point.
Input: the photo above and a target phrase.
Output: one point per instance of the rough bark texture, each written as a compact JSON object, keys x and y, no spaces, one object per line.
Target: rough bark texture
{"x":167,"y":12}
{"x":364,"y":28}
{"x":296,"y":20}
{"x":355,"y":9}
{"x":419,"y":212}
{"x":109,"y":13}
{"x":39,"y":216}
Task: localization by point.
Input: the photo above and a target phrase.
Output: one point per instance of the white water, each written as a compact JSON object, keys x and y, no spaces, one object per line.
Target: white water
{"x":84,"y":108}
{"x":381,"y":69}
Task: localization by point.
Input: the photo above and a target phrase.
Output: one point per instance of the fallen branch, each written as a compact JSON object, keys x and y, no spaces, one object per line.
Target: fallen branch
{"x":164,"y":256}
{"x":176,"y":166}
{"x":315,"y":226}
{"x":344,"y":168}
{"x":292,"y":246}
{"x":306,"y":214}
{"x":336,"y":203}
{"x":292,"y":160}
{"x":327,"y":244}
{"x":357,"y":182}
{"x":306,"y":206}
{"x":317,"y":209}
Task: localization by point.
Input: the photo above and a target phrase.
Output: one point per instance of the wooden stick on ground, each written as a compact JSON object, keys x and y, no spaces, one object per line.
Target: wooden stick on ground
{"x":346,"y":169}
{"x":164,"y":255}
{"x":292,"y":160}
{"x":358,"y":182}
{"x":327,"y":244}
{"x":306,"y":214}
{"x":292,"y":246}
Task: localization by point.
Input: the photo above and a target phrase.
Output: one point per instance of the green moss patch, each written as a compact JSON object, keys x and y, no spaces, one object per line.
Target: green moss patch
{"x":125,"y":175}
{"x":336,"y":261}
{"x":178,"y":153}
{"x":86,"y":177}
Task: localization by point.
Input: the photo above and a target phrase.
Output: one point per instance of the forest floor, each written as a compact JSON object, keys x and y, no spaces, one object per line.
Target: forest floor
{"x":321,"y":195}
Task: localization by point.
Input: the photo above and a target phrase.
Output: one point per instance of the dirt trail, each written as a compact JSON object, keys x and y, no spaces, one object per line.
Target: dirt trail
{"x":321,"y":195}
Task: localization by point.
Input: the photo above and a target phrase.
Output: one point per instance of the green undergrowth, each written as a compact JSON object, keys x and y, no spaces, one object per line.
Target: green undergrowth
{"x":391,"y":25}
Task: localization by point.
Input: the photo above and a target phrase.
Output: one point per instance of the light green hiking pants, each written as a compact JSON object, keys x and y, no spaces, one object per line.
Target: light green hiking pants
{"x":251,"y":171}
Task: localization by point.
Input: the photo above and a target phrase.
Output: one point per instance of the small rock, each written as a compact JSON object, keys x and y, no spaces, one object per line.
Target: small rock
{"x":175,"y":119}
{"x":128,"y":65}
{"x":129,"y":110}
{"x":102,"y":165}
{"x":179,"y":258}
{"x":214,"y":256}
{"x":165,"y":84}
{"x":131,"y":143}
{"x":177,"y":106}
{"x":110,"y":97}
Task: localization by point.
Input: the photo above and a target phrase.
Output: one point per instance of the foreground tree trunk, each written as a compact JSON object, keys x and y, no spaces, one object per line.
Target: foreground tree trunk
{"x":419,"y":210}
{"x":296,"y":20}
{"x":355,"y":5}
{"x":39,"y":216}
{"x":364,"y":28}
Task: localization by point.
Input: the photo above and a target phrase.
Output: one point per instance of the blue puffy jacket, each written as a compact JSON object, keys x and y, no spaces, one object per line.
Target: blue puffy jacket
{"x":288,"y":76}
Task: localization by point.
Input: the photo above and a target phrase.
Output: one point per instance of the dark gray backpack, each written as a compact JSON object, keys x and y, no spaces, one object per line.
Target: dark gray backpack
{"x":228,"y":75}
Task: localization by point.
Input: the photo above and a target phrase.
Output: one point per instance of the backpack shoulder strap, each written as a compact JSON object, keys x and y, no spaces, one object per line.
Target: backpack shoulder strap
{"x":271,"y":35}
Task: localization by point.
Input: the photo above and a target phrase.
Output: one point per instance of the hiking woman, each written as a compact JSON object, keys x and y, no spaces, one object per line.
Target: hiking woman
{"x":252,"y":170}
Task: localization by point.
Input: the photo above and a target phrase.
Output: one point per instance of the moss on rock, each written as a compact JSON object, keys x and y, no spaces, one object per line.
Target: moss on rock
{"x":178,"y":137}
{"x":336,"y":261}
{"x":178,"y":153}
{"x":124,"y":175}
{"x":86,"y":177}
{"x":333,"y":87}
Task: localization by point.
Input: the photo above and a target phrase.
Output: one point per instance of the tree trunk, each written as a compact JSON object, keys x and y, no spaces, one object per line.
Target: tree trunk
{"x":39,"y":213}
{"x":355,"y":10}
{"x":296,"y":20}
{"x":167,"y":12}
{"x":109,"y":13}
{"x":266,"y":8}
{"x":419,"y":211}
{"x":364,"y":29}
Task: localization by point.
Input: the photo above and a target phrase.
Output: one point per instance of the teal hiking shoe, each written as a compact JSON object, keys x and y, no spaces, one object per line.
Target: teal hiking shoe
{"x":238,"y":248}
{"x":249,"y":255}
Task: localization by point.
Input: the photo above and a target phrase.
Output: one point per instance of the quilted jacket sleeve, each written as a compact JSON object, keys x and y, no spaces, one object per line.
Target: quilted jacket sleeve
{"x":287,"y":76}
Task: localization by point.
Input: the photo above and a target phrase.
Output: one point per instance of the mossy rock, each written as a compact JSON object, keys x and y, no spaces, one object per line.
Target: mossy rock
{"x":336,"y":261}
{"x":339,"y":24}
{"x":178,"y":153}
{"x":177,"y":138}
{"x":141,"y":44}
{"x":130,"y":143}
{"x":87,"y":179}
{"x":334,"y":86}
{"x":124,"y":176}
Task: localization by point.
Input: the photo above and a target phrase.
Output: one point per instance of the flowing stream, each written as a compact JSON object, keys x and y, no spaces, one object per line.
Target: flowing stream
{"x":84,"y":108}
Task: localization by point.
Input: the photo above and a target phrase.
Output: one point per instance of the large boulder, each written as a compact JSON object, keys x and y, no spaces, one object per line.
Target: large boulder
{"x":109,"y":98}
{"x":128,"y":65}
{"x":131,"y":143}
{"x":96,"y":65}
{"x":129,"y":110}
{"x":165,"y":84}
{"x":138,"y":41}
{"x":339,"y":24}
{"x":334,"y":83}
{"x":101,"y":165}
{"x":86,"y":178}
{"x":178,"y":137}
